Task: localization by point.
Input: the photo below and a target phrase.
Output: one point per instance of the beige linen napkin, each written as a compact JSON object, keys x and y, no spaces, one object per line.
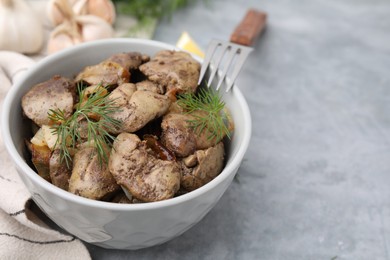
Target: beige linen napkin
{"x":23,"y":232}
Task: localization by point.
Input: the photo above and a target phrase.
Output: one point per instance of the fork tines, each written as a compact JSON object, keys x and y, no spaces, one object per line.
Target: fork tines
{"x":234,"y":56}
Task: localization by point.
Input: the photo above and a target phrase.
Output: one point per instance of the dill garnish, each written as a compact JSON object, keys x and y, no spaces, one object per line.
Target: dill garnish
{"x":95,"y":108}
{"x":145,"y":9}
{"x":207,"y":108}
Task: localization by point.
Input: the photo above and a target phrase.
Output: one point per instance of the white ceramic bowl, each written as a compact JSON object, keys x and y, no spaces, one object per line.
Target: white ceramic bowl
{"x":110,"y":225}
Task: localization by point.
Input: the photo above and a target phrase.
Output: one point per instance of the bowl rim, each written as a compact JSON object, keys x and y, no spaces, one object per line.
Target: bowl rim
{"x":19,"y":161}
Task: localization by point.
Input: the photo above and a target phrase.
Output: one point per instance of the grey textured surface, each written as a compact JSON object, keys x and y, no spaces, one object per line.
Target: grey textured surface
{"x":315,"y":180}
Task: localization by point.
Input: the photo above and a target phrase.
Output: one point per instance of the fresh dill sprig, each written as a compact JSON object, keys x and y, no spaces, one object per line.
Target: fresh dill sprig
{"x":150,"y":8}
{"x":207,"y":108}
{"x":95,"y":108}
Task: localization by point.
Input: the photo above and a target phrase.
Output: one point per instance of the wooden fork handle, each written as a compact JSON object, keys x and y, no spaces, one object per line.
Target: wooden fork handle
{"x":249,"y":28}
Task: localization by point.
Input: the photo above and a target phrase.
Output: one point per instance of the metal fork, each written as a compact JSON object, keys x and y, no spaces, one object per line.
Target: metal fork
{"x":233,"y":54}
{"x":232,"y":50}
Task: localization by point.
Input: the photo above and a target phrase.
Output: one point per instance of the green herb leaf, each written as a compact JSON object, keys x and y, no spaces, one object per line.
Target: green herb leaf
{"x":150,"y":8}
{"x":96,"y":105}
{"x":212,"y":116}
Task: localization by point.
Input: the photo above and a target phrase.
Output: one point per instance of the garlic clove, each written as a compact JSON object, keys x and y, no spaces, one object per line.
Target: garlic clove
{"x":63,"y":36}
{"x":20,"y":29}
{"x":94,"y":28}
{"x":54,"y":14}
{"x":102,"y":8}
{"x":58,"y":10}
{"x":80,"y":7}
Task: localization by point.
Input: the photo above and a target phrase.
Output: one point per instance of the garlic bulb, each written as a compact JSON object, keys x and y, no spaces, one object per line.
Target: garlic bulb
{"x":76,"y":29}
{"x":20,"y":29}
{"x":104,"y":9}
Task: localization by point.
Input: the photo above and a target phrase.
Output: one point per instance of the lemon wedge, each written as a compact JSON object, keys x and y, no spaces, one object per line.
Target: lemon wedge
{"x":185,"y":42}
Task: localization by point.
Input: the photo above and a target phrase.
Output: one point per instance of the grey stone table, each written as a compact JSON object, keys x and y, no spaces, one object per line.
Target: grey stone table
{"x":315,"y":182}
